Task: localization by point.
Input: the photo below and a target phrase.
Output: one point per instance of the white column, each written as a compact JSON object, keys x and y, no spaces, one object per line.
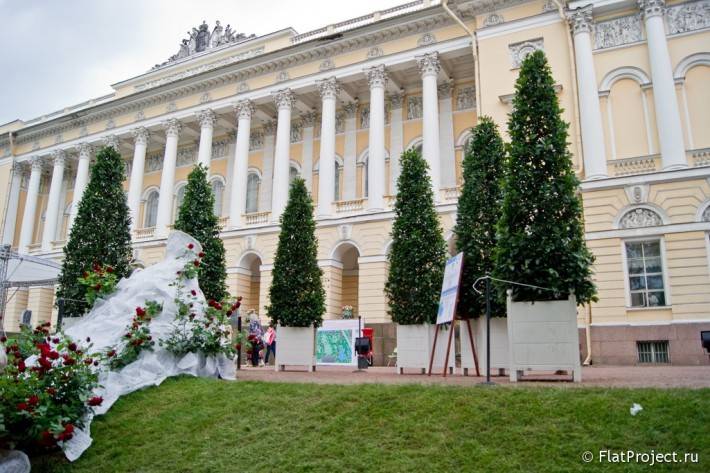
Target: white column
{"x":238,"y":199}
{"x":396,"y":138}
{"x":82,"y":177}
{"x":207,"y":119}
{"x":50,"y":223}
{"x":429,"y":66}
{"x":350,"y":154}
{"x":135,"y":183}
{"x":329,"y":89}
{"x":13,"y":202}
{"x":446,"y":135}
{"x":590,"y":115}
{"x":28,"y":218}
{"x":377,"y":78}
{"x":167,"y":178}
{"x":670,"y":131}
{"x":284,"y":101}
{"x":309,"y":120}
{"x":267,"y":163}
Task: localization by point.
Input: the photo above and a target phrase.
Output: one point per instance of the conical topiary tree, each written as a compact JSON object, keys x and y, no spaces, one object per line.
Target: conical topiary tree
{"x":100,"y":233}
{"x":418,"y":252}
{"x":478,"y":213}
{"x":296,"y":293}
{"x":196,"y":218}
{"x":540,"y":233}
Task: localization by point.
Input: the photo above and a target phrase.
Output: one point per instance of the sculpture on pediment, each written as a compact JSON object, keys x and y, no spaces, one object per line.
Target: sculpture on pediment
{"x":639,"y":218}
{"x":201,"y":39}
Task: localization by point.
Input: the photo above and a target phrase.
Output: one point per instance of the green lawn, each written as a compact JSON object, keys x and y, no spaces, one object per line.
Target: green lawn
{"x":202,"y":425}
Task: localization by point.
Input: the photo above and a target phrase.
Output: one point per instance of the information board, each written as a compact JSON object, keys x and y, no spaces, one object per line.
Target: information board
{"x":450,"y":290}
{"x":335,"y":342}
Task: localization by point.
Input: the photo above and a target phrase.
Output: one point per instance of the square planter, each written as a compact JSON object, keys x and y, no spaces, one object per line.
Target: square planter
{"x":543,"y":336}
{"x":414,"y":345}
{"x":499,"y":345}
{"x":296,"y":346}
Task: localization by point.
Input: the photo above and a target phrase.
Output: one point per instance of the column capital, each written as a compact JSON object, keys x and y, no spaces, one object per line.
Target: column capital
{"x":172,"y":127}
{"x":308,"y":119}
{"x":284,"y":99}
{"x":207,"y":118}
{"x":111,"y":141}
{"x":396,"y":99}
{"x":376,"y":76}
{"x":349,"y":109}
{"x":18,"y":167}
{"x":244,"y":109}
{"x":84,"y":149}
{"x":59,"y":157}
{"x":141,"y":135}
{"x":269,"y":127}
{"x":328,"y":88}
{"x":580,"y":20}
{"x":429,"y":64}
{"x":36,"y":163}
{"x":651,"y":8}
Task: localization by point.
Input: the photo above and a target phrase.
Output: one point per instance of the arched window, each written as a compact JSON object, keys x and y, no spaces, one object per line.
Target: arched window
{"x":179,"y":197}
{"x":151,"y":209}
{"x":253,"y":183}
{"x":364,"y":162}
{"x":218,"y":191}
{"x":293,"y":173}
{"x":338,"y":168}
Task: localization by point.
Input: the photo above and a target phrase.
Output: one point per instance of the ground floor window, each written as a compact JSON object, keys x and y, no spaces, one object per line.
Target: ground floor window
{"x":645,"y":273}
{"x":653,"y":352}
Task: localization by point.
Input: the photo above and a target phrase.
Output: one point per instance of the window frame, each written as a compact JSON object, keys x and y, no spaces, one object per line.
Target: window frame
{"x":664,"y":269}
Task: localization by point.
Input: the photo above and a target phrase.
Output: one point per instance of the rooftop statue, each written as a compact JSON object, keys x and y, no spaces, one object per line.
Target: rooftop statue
{"x":201,"y":39}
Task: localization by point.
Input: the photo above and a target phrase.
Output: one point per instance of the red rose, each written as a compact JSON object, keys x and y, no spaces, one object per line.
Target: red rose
{"x":95,"y":401}
{"x":51,"y":391}
{"x":53,"y":355}
{"x":67,"y":434}
{"x":22,"y":406}
{"x":33,"y":400}
{"x":201,"y":254}
{"x":109,"y":269}
{"x":111,"y":353}
{"x":72,"y":346}
{"x":86,"y":275}
{"x":96,"y":266}
{"x":69,"y":428}
{"x":190,"y":246}
{"x":96,"y":363}
{"x":21,"y":366}
{"x":68,"y":361}
{"x":55,"y":340}
{"x":238,"y":346}
{"x":97,"y":287}
{"x":3,"y":339}
{"x":47,"y":439}
{"x":179,"y":273}
{"x":193,"y":292}
{"x":128,"y":335}
{"x":140,"y":311}
{"x":196,"y":263}
{"x":88,"y":339}
{"x":45,"y":363}
{"x":229,"y":313}
{"x":88,"y":361}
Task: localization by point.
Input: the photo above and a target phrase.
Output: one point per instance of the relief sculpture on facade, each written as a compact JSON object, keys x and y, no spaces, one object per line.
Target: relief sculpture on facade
{"x":623,"y":30}
{"x":688,"y":17}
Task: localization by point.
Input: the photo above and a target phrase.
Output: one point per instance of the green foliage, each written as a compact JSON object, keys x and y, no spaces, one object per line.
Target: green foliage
{"x":100,"y":234}
{"x":196,"y":218}
{"x":43,"y":404}
{"x":100,"y":282}
{"x":296,"y":293}
{"x":477,"y":215}
{"x":137,"y":337}
{"x":540,"y":233}
{"x":418,"y":252}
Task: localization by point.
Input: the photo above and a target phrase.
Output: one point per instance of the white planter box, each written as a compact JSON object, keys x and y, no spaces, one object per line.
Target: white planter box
{"x":499,"y":345}
{"x":543,"y":336}
{"x":414,"y":344}
{"x":295,"y":346}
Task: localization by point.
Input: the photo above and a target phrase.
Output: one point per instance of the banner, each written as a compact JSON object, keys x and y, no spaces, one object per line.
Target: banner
{"x":450,"y":290}
{"x":335,"y":342}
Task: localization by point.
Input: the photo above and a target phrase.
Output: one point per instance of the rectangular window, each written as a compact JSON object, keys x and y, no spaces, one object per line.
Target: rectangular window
{"x":653,"y":352}
{"x":645,"y":272}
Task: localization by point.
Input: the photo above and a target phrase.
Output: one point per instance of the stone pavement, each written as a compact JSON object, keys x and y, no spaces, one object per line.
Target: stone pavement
{"x":592,"y":376}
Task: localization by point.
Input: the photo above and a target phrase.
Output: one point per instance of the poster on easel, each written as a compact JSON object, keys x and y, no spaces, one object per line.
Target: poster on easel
{"x":450,"y":290}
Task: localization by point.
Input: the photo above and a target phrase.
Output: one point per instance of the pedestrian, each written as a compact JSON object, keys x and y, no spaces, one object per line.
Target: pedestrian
{"x":256,"y":333}
{"x":270,"y":341}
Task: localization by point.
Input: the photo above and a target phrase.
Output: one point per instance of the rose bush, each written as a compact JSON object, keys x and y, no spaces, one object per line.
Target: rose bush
{"x":137,"y":337}
{"x":45,"y":390}
{"x":100,"y":282}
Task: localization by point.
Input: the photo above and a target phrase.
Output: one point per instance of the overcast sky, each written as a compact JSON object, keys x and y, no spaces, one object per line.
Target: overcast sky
{"x":57,"y":53}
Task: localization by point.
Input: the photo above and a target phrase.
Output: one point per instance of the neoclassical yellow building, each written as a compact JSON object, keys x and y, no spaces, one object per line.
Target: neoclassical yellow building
{"x":338,"y":104}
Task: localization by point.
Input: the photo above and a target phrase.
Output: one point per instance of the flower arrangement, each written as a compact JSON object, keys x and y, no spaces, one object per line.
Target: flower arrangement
{"x":99,"y":282}
{"x":137,"y":337}
{"x":45,"y":390}
{"x":209,"y":334}
{"x":347,"y":311}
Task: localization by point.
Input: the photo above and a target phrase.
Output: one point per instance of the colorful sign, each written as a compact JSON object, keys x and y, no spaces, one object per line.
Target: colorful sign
{"x":335,"y":342}
{"x":450,"y":290}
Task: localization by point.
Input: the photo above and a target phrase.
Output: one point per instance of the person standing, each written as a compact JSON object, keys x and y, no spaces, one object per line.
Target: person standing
{"x":256,"y":332}
{"x":270,"y":341}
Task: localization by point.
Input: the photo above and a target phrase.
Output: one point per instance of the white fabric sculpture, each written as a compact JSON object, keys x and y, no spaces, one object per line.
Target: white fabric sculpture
{"x":107,"y":321}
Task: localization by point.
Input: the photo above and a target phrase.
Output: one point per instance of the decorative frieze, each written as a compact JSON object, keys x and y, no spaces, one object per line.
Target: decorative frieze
{"x":256,"y":140}
{"x":186,"y":156}
{"x":139,"y":116}
{"x":396,"y":99}
{"x":549,"y":6}
{"x":171,"y":107}
{"x":308,"y":119}
{"x":269,"y":127}
{"x":639,"y":218}
{"x":282,"y":76}
{"x":110,"y":124}
{"x":426,"y":39}
{"x":637,"y":194}
{"x":243,"y":87}
{"x":519,"y":51}
{"x":204,"y":98}
{"x":350,"y":109}
{"x":374,"y":52}
{"x":326,"y":65}
{"x":444,"y":90}
{"x":83,"y":132}
{"x":622,"y":30}
{"x":691,"y":16}
{"x":220,"y":147}
{"x":493,"y":19}
{"x":466,"y":98}
{"x":414,"y":107}
{"x":154,"y":161}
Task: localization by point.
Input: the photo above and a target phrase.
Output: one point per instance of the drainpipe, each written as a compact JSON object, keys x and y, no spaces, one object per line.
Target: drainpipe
{"x":474,"y":54}
{"x":587,"y":331}
{"x":575,"y":98}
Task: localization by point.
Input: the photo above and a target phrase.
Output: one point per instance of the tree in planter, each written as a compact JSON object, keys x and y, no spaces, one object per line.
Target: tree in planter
{"x":100,"y":234}
{"x":478,"y":213}
{"x":196,"y":218}
{"x":296,"y":293}
{"x":540,"y":232}
{"x":418,"y":252}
